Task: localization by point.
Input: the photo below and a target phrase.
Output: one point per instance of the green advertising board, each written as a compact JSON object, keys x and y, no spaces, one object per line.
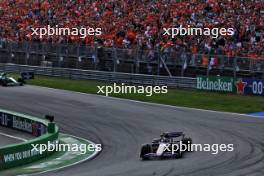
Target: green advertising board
{"x":14,"y":155}
{"x":216,"y":83}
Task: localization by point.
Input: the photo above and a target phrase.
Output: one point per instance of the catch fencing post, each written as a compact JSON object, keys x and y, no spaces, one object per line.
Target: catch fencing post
{"x":158,"y":73}
{"x":114,"y":60}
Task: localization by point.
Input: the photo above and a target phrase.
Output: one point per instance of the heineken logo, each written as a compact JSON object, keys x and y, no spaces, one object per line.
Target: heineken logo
{"x":223,"y":84}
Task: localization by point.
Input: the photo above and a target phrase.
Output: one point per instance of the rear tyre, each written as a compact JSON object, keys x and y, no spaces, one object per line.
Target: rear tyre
{"x":187,"y":141}
{"x":4,"y":83}
{"x":180,"y":155}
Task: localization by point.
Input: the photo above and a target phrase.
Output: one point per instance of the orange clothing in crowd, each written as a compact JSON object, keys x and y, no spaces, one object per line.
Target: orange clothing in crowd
{"x":137,"y":20}
{"x":204,"y":60}
{"x":194,"y":49}
{"x":253,"y":56}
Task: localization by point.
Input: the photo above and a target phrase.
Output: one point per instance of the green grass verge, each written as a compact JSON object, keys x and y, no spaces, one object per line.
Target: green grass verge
{"x":176,"y":97}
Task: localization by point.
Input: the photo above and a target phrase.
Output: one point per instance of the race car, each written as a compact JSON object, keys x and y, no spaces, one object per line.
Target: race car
{"x":5,"y":80}
{"x":165,"y":146}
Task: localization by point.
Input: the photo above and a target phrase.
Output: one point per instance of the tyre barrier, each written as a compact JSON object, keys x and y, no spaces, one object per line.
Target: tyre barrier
{"x":24,"y":153}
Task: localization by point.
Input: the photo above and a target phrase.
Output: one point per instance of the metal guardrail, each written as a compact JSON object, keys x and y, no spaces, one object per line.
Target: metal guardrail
{"x":180,"y":82}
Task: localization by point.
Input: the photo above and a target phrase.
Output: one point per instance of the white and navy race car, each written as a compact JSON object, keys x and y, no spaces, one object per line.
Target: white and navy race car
{"x":165,"y":146}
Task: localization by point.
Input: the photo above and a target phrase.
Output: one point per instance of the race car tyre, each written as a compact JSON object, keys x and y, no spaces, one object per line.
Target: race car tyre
{"x":21,"y":81}
{"x":145,"y":149}
{"x":187,"y":141}
{"x":180,"y":154}
{"x":4,"y":84}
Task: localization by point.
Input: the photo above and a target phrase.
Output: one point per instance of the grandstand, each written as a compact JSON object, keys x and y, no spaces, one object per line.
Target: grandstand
{"x":135,"y":28}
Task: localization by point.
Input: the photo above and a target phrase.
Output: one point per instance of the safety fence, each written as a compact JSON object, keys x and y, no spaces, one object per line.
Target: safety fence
{"x":23,"y":153}
{"x":158,"y":62}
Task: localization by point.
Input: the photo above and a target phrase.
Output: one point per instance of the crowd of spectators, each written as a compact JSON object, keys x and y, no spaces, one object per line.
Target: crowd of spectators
{"x":140,"y":23}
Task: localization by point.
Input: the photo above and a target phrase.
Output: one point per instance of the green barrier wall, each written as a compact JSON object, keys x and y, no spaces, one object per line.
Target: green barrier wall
{"x":18,"y":154}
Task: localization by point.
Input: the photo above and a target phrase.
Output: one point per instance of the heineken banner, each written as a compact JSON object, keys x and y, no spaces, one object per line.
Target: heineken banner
{"x":216,"y":83}
{"x":228,"y":84}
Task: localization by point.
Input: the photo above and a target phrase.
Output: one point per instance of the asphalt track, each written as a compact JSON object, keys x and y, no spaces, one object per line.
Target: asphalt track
{"x":122,"y":126}
{"x":6,"y":140}
{"x":10,"y":136}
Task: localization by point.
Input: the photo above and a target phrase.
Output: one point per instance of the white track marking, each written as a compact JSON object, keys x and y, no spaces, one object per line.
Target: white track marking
{"x":78,"y":162}
{"x":151,"y":103}
{"x":14,"y":137}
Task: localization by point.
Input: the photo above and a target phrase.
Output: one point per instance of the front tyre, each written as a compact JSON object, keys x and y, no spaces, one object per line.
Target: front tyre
{"x":21,"y":81}
{"x":145,"y":149}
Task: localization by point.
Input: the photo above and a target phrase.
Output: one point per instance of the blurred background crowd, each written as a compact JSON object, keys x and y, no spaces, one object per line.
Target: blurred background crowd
{"x":140,"y":23}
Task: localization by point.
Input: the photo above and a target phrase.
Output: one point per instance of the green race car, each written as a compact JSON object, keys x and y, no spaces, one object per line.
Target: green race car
{"x":5,"y":80}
